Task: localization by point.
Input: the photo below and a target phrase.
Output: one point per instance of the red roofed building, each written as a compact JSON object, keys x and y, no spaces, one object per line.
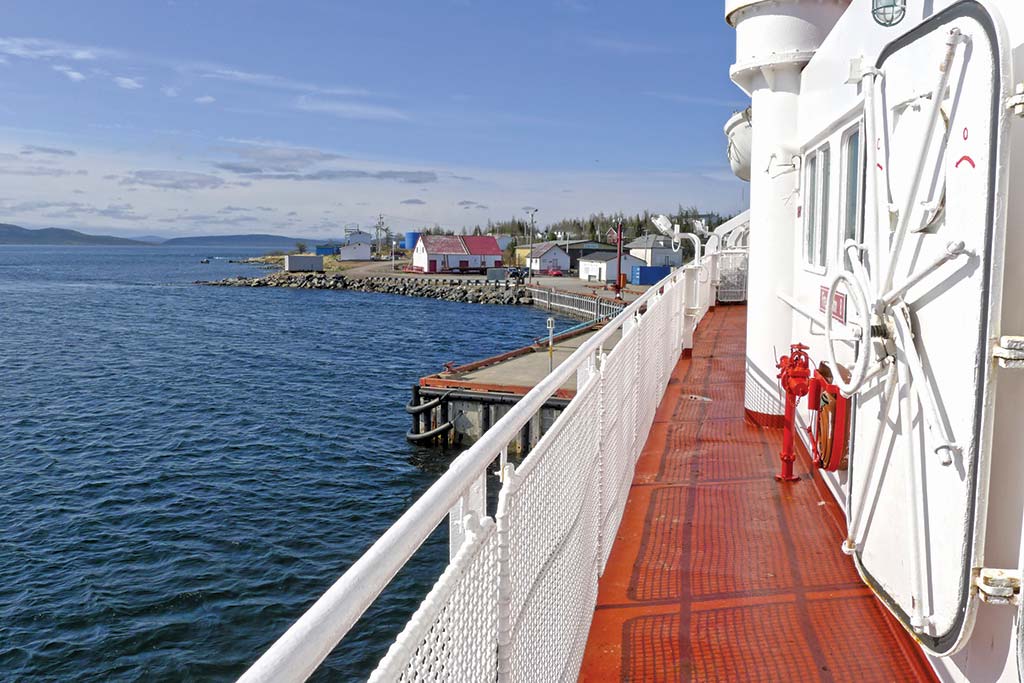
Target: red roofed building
{"x":455,"y":253}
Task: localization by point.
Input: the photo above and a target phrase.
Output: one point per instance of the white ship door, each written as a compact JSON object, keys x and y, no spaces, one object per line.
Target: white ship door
{"x":923,"y":299}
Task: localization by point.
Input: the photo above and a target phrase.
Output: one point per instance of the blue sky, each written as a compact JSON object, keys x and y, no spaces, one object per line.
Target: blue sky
{"x":187,"y":117}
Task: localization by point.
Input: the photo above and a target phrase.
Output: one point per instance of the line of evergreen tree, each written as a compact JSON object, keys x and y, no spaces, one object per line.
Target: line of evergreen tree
{"x":594,"y":227}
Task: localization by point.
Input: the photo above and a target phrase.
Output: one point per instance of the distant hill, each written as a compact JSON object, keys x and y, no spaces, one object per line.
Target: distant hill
{"x":13,"y":234}
{"x":255,"y":240}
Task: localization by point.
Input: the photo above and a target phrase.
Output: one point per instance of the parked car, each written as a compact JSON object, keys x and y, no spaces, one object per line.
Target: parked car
{"x":553,"y":272}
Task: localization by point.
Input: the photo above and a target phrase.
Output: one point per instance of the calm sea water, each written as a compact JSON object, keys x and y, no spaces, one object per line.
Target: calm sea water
{"x":185,"y":469}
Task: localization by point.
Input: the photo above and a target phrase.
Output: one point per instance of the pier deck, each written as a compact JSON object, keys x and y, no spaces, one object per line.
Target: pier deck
{"x":514,"y":373}
{"x":718,"y":572}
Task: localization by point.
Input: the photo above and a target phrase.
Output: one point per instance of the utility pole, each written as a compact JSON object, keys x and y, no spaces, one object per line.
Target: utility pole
{"x":529,"y":259}
{"x":376,"y":234}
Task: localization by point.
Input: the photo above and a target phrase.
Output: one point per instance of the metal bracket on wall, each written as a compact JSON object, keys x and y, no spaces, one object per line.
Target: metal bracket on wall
{"x":1015,"y":102}
{"x":998,"y":586}
{"x":1010,"y":352}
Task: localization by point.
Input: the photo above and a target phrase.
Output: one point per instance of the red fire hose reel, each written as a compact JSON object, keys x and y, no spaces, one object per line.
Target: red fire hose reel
{"x":829,"y":433}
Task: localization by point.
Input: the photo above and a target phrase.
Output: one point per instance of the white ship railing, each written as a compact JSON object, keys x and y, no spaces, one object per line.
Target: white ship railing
{"x":575,"y":304}
{"x":516,"y":601}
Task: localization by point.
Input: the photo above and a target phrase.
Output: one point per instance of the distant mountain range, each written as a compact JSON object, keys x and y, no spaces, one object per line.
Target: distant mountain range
{"x":254,"y":240}
{"x":13,"y":234}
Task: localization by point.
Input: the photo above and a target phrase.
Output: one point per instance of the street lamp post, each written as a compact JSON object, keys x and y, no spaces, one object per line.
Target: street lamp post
{"x":393,"y":245}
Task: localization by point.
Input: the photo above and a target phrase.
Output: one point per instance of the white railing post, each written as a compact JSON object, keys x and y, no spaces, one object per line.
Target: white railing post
{"x":690,"y":294}
{"x":636,"y":384}
{"x":472,"y":505}
{"x":602,"y":472}
{"x":504,"y":663}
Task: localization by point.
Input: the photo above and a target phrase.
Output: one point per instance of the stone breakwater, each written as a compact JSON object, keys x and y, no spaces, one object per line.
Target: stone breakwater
{"x":465,"y":291}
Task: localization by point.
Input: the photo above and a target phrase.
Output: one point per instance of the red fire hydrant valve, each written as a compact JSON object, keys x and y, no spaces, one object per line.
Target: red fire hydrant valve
{"x":795,"y":378}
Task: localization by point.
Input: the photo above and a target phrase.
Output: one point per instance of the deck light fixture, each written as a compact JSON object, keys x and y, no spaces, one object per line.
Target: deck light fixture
{"x":888,"y":12}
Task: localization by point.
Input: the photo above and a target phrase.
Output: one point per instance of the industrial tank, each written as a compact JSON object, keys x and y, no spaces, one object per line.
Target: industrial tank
{"x":411,"y":238}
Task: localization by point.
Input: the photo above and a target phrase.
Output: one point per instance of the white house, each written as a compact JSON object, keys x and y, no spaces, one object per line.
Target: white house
{"x":548,"y":256}
{"x":354,"y":251}
{"x":602,"y":266}
{"x":455,"y":253}
{"x":655,"y":250}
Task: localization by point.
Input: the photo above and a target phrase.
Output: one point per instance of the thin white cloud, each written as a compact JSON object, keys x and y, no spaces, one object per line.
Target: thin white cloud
{"x":349,"y":110}
{"x":276,"y":82}
{"x":169,"y":90}
{"x":43,"y":48}
{"x":3,"y":61}
{"x":41,"y":171}
{"x":128,"y":83}
{"x":279,"y":157}
{"x":61,"y":209}
{"x":205,"y":99}
{"x":172,"y":180}
{"x":69,"y":72}
{"x":30,"y":150}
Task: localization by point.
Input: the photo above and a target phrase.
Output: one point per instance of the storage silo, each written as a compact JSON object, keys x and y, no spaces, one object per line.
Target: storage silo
{"x":411,"y":238}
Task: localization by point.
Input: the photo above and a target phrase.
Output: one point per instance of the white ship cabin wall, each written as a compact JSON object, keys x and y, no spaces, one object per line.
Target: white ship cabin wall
{"x":828,"y":208}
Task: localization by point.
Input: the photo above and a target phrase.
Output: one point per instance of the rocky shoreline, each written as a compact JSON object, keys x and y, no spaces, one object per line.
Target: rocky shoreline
{"x":464,"y":291}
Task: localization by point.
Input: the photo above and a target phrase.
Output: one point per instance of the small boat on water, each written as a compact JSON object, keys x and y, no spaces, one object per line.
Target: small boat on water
{"x":205,"y":260}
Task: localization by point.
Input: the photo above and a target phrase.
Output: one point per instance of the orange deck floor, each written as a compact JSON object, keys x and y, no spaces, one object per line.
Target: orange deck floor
{"x":720,"y":573}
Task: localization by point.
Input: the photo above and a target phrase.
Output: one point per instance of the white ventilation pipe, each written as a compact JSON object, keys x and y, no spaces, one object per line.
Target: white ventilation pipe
{"x":774,"y":41}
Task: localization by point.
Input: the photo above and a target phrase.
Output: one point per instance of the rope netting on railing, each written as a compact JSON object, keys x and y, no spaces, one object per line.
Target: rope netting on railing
{"x":517,"y":600}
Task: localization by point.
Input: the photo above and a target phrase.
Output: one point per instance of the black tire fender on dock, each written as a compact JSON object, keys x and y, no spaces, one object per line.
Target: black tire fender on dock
{"x":433,"y":433}
{"x":423,"y":407}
